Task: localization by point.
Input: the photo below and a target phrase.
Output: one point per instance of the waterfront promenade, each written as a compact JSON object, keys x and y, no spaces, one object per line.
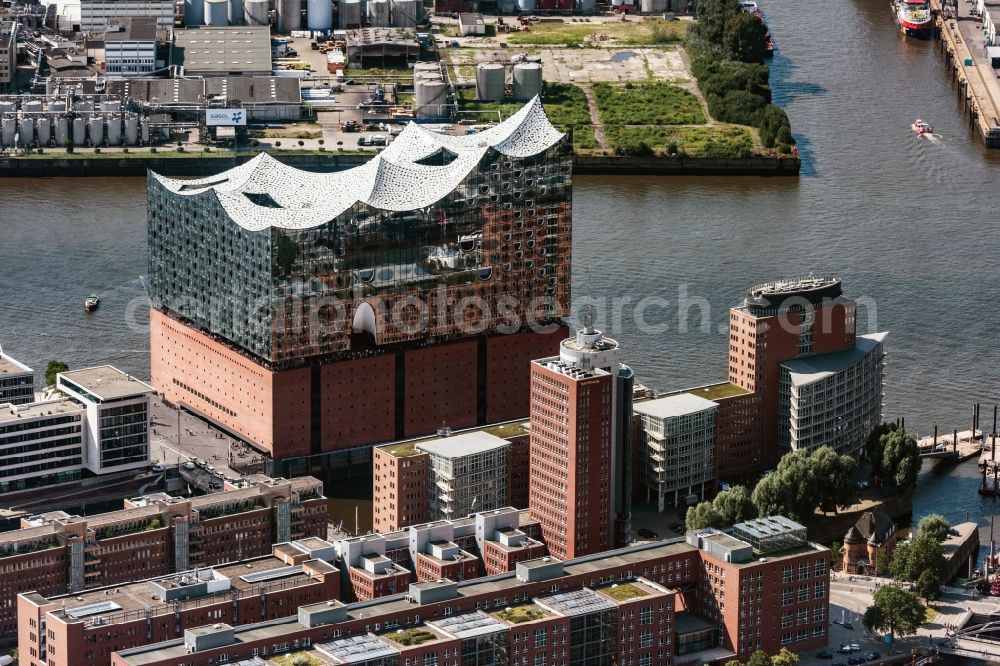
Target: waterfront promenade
{"x":964,"y":46}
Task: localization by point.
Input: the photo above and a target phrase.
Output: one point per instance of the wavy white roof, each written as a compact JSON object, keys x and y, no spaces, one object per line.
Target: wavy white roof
{"x":393,"y":180}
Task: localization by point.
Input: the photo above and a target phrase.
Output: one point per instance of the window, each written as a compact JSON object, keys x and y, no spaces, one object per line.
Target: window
{"x":820,"y":590}
{"x":820,"y":567}
{"x":786,"y":597}
{"x":646,"y":638}
{"x":646,"y":616}
{"x":803,"y":593}
{"x":786,"y":620}
{"x":786,"y":574}
{"x":540,"y":638}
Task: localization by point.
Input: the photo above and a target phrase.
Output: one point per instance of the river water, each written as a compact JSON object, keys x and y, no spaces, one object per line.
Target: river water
{"x":910,"y":225}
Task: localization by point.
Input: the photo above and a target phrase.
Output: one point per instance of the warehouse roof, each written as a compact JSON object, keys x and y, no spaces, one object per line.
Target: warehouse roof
{"x":222,"y":50}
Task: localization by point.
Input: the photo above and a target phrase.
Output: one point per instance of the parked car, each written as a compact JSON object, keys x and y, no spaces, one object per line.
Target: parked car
{"x":844,"y":649}
{"x":872,"y":656}
{"x":645,"y":534}
{"x":854,"y":661}
{"x":824,"y":655}
{"x":854,"y":646}
{"x":158,"y":467}
{"x":188,"y":465}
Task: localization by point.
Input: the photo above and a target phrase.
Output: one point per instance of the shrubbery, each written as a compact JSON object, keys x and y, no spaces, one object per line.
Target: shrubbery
{"x":727,"y":49}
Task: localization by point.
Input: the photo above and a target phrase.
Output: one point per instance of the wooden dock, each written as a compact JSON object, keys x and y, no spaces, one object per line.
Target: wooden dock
{"x":963,"y":46}
{"x":957,"y":446}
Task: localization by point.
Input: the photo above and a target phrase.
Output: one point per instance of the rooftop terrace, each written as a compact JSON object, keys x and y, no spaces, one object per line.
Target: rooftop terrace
{"x":107,"y":382}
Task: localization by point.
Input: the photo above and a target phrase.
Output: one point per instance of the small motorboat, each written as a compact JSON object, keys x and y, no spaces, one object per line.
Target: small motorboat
{"x":920,"y":127}
{"x":91,"y":302}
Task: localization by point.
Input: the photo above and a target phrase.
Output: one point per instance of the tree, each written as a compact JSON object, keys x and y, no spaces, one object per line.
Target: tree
{"x":928,"y":585}
{"x":835,"y":476}
{"x":713,"y":16}
{"x":836,"y":554}
{"x":759,"y":658}
{"x":745,"y":38}
{"x":900,"y":460}
{"x":701,"y":516}
{"x":785,"y":658}
{"x":52,"y":369}
{"x":911,"y":560}
{"x":734,"y":505}
{"x":873,"y":446}
{"x":881,"y":561}
{"x":804,"y":480}
{"x":769,"y":496}
{"x":894,"y":610}
{"x":934,"y":525}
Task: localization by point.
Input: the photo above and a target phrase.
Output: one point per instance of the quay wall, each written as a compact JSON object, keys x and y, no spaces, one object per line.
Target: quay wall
{"x":205,"y":165}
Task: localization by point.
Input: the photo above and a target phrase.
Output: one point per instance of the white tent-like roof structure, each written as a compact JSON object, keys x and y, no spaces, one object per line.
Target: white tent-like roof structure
{"x":394,"y":180}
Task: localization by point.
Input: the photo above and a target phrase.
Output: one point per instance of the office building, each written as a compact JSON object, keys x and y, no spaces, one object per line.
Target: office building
{"x":130,"y":46}
{"x":17,"y":381}
{"x":8,"y":54}
{"x":580,"y":457}
{"x":677,"y":445}
{"x":96,"y":15}
{"x":708,"y":599}
{"x":445,"y":478}
{"x":84,"y":629}
{"x":154,"y":535}
{"x":41,"y":444}
{"x":311,"y":313}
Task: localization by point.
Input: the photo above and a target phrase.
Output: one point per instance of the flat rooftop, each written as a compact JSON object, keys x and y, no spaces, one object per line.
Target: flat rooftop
{"x":131,"y":29}
{"x":712,"y":391}
{"x":33,"y":410}
{"x":811,"y":369}
{"x":672,"y":406}
{"x":467,"y":444}
{"x":223,"y":50}
{"x":12,"y":366}
{"x":107,"y":382}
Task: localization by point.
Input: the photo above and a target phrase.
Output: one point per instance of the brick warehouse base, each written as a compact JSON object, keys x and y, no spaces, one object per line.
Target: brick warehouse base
{"x":347,"y":403}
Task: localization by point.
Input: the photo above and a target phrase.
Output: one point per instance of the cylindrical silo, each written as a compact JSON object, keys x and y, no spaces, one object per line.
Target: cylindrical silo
{"x":144,"y":130}
{"x":111,"y":106}
{"x":378,"y":13}
{"x":431,"y":96}
{"x":131,"y":130}
{"x":84,"y":106}
{"x":289,"y":15}
{"x":96,"y":130}
{"x":32,"y":106}
{"x":57,"y":107}
{"x":652,"y":6}
{"x":255,"y":12}
{"x":217,"y":12}
{"x":44,"y":131}
{"x":114,"y":130}
{"x":587,"y":7}
{"x":506,"y":6}
{"x":350,"y":14}
{"x":79,"y":131}
{"x":7,"y":107}
{"x":490,"y":80}
{"x":26,"y":128}
{"x":405,"y":13}
{"x":194,"y":12}
{"x":319,"y":14}
{"x":526,"y":6}
{"x":62,"y":131}
{"x":8,"y":128}
{"x":527,"y":80}
{"x":236,"y":11}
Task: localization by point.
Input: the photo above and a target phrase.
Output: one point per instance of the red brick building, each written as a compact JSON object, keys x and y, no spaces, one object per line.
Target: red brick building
{"x":84,"y":629}
{"x":155,"y":535}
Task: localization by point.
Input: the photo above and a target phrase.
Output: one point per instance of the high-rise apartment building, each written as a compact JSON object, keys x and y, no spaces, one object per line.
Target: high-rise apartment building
{"x":580,"y":452}
{"x":311,"y":313}
{"x":808,"y":319}
{"x":17,"y":381}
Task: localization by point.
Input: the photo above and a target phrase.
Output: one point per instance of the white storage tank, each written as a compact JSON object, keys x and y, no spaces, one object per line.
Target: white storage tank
{"x":26,"y":128}
{"x":405,"y":13}
{"x":491,"y":78}
{"x":57,"y":107}
{"x":8,"y":128}
{"x":144,"y":130}
{"x":289,"y":15}
{"x":652,"y":6}
{"x":350,"y":14}
{"x":194,"y":12}
{"x":44,"y":130}
{"x":62,"y":131}
{"x":430,"y":96}
{"x":84,"y":106}
{"x":526,"y":6}
{"x":115,"y":130}
{"x":111,"y":106}
{"x":96,"y":130}
{"x":217,"y":12}
{"x":79,"y":131}
{"x":236,"y":11}
{"x":527,"y":80}
{"x":255,"y":12}
{"x":587,"y":7}
{"x":378,"y":13}
{"x":7,"y":107}
{"x":319,"y":14}
{"x":131,"y":130}
{"x":32,"y":106}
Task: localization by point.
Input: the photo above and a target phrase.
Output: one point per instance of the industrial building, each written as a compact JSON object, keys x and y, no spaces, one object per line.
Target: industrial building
{"x":154,"y":535}
{"x":581,"y":446}
{"x":130,"y":47}
{"x":431,"y":276}
{"x":711,"y":598}
{"x":96,"y":15}
{"x":382,"y":47}
{"x":221,"y":50}
{"x":446,"y":478}
{"x":17,"y":381}
{"x":677,"y":448}
{"x":8,"y":52}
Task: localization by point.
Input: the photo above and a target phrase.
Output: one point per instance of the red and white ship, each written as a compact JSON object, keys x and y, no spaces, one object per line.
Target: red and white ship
{"x":913,"y":17}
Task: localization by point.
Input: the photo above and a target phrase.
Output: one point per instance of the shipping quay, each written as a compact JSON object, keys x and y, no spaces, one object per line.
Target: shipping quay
{"x":964,"y":46}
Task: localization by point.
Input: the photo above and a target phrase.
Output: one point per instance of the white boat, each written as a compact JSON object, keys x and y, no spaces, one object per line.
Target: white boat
{"x":913,"y":17}
{"x":921,"y":127}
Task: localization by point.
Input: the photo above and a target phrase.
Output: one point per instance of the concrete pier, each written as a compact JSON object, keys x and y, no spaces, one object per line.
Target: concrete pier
{"x":964,"y":47}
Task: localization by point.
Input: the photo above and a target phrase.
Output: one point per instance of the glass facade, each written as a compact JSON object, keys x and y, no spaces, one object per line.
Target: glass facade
{"x":124,"y":435}
{"x":491,"y":253}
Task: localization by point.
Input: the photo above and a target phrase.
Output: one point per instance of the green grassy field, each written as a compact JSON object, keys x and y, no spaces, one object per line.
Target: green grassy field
{"x":647,"y":103}
{"x":713,"y":141}
{"x":651,"y":32}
